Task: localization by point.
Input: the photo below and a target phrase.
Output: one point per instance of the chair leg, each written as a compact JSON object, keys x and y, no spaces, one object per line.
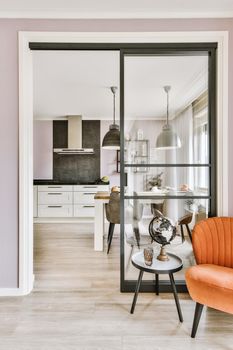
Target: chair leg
{"x":129,"y":259}
{"x":189,"y":232}
{"x":131,"y":252}
{"x":137,"y":236}
{"x":197,"y":316}
{"x":110,"y":235}
{"x":182,"y":233}
{"x":109,"y":231}
{"x":157,"y":284}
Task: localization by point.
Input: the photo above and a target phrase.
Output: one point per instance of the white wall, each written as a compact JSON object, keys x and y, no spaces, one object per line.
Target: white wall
{"x":43,"y":149}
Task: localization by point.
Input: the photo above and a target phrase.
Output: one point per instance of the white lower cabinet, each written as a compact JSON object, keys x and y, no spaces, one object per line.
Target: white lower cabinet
{"x":55,"y":201}
{"x":50,"y":211}
{"x":84,"y":210}
{"x":55,"y":197}
{"x":84,"y":199}
{"x":66,"y":201}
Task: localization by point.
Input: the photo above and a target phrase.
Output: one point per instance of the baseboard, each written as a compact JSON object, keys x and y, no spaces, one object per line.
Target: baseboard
{"x":15,"y":292}
{"x":63,"y":220}
{"x":11,"y":292}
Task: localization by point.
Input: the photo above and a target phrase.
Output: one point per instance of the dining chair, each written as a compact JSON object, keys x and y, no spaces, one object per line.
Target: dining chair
{"x":133,"y":215}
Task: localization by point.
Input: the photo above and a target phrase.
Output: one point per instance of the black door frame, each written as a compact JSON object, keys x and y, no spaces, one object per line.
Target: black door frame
{"x":154,"y":49}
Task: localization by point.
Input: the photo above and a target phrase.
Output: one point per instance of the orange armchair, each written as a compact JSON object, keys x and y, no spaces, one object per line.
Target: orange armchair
{"x":210,"y":282}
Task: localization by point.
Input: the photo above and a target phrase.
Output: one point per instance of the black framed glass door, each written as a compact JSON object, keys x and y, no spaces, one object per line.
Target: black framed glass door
{"x":140,"y":162}
{"x":180,"y":182}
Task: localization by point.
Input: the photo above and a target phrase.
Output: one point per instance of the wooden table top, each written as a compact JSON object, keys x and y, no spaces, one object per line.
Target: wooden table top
{"x":102,"y":195}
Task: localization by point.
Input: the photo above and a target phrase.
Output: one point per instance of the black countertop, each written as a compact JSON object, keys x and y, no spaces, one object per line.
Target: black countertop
{"x":60,"y":182}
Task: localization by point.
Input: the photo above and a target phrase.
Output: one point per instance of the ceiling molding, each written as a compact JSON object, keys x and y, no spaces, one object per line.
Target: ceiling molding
{"x":60,"y":14}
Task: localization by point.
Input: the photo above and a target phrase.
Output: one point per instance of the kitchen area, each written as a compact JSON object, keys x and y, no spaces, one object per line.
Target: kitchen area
{"x":73,"y":176}
{"x":73,"y":108}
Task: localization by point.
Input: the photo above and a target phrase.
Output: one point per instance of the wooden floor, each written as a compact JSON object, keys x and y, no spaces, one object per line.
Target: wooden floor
{"x":76,"y":304}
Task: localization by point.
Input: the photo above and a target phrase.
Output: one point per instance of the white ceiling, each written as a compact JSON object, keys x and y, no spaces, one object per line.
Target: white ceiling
{"x":116,"y":9}
{"x":145,"y":78}
{"x":77,"y":83}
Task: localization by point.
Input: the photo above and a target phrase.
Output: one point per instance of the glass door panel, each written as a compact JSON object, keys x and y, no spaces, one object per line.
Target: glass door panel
{"x":174,"y":179}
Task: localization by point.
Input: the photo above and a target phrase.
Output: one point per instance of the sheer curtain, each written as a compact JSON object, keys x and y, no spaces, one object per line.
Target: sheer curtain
{"x":177,"y":176}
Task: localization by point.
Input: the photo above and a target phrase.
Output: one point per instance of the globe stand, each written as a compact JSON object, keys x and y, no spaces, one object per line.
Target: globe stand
{"x":162,"y":255}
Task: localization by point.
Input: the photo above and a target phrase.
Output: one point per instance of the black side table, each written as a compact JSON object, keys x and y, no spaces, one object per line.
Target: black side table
{"x":158,"y":267}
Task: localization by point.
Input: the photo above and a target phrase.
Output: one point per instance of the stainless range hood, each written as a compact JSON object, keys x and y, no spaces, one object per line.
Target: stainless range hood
{"x":74,"y":138}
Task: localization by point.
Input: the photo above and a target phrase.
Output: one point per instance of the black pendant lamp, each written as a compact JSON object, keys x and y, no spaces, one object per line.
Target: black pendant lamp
{"x":111,"y":139}
{"x":168,"y":139}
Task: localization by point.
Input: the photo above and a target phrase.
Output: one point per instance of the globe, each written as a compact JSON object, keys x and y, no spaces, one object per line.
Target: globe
{"x":163,"y":232}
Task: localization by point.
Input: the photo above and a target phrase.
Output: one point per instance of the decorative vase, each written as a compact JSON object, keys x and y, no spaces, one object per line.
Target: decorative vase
{"x":148,"y":255}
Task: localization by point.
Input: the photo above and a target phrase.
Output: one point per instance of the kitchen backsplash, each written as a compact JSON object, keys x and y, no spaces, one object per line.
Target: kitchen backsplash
{"x":77,"y":168}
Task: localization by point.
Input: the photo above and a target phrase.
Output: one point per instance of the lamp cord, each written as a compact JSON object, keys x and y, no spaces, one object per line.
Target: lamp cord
{"x":114,"y":108}
{"x":167,"y":106}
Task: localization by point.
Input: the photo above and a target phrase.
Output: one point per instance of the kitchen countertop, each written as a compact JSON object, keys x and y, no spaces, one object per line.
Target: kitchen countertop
{"x":59,"y":182}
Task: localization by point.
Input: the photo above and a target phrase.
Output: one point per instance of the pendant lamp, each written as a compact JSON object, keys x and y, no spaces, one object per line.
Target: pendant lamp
{"x":168,"y":139}
{"x":111,"y":139}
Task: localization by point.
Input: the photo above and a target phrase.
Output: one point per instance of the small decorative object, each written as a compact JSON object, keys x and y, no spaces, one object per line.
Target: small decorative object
{"x":140,"y":134}
{"x":155,"y":181}
{"x":184,"y":188}
{"x":163,"y":232}
{"x":148,"y":255}
{"x":105,"y":179}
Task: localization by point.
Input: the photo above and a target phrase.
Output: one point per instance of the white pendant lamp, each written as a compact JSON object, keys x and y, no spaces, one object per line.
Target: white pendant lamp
{"x":168,"y":139}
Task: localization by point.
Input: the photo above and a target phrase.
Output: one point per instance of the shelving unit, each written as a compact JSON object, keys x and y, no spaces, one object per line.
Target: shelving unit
{"x":137,"y":152}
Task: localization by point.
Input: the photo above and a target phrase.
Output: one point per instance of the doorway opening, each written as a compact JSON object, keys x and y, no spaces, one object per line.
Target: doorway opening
{"x":147,"y":48}
{"x":72,"y":112}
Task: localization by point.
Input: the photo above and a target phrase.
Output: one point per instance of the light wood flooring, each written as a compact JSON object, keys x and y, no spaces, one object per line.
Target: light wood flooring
{"x":76,"y":304}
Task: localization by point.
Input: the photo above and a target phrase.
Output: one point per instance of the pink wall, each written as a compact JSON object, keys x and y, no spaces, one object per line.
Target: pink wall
{"x":42,"y":149}
{"x":9,"y":110}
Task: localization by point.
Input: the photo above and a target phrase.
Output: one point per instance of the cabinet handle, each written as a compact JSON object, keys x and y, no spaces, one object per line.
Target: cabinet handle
{"x":54,"y":193}
{"x":54,"y":186}
{"x":88,"y":206}
{"x":89,"y":193}
{"x":89,"y":186}
{"x":54,"y":206}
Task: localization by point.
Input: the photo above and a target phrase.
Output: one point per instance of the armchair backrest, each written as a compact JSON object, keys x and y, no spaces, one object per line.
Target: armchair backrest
{"x":212,"y":241}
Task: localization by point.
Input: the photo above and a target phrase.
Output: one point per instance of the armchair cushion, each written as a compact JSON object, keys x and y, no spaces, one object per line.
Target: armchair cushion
{"x":211,"y":285}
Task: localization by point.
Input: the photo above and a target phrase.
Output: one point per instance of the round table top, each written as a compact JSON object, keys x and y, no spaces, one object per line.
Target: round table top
{"x":174,"y":264}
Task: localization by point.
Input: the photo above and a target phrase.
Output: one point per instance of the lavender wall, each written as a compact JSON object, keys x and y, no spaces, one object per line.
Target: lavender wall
{"x":9,"y":110}
{"x":42,"y":149}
